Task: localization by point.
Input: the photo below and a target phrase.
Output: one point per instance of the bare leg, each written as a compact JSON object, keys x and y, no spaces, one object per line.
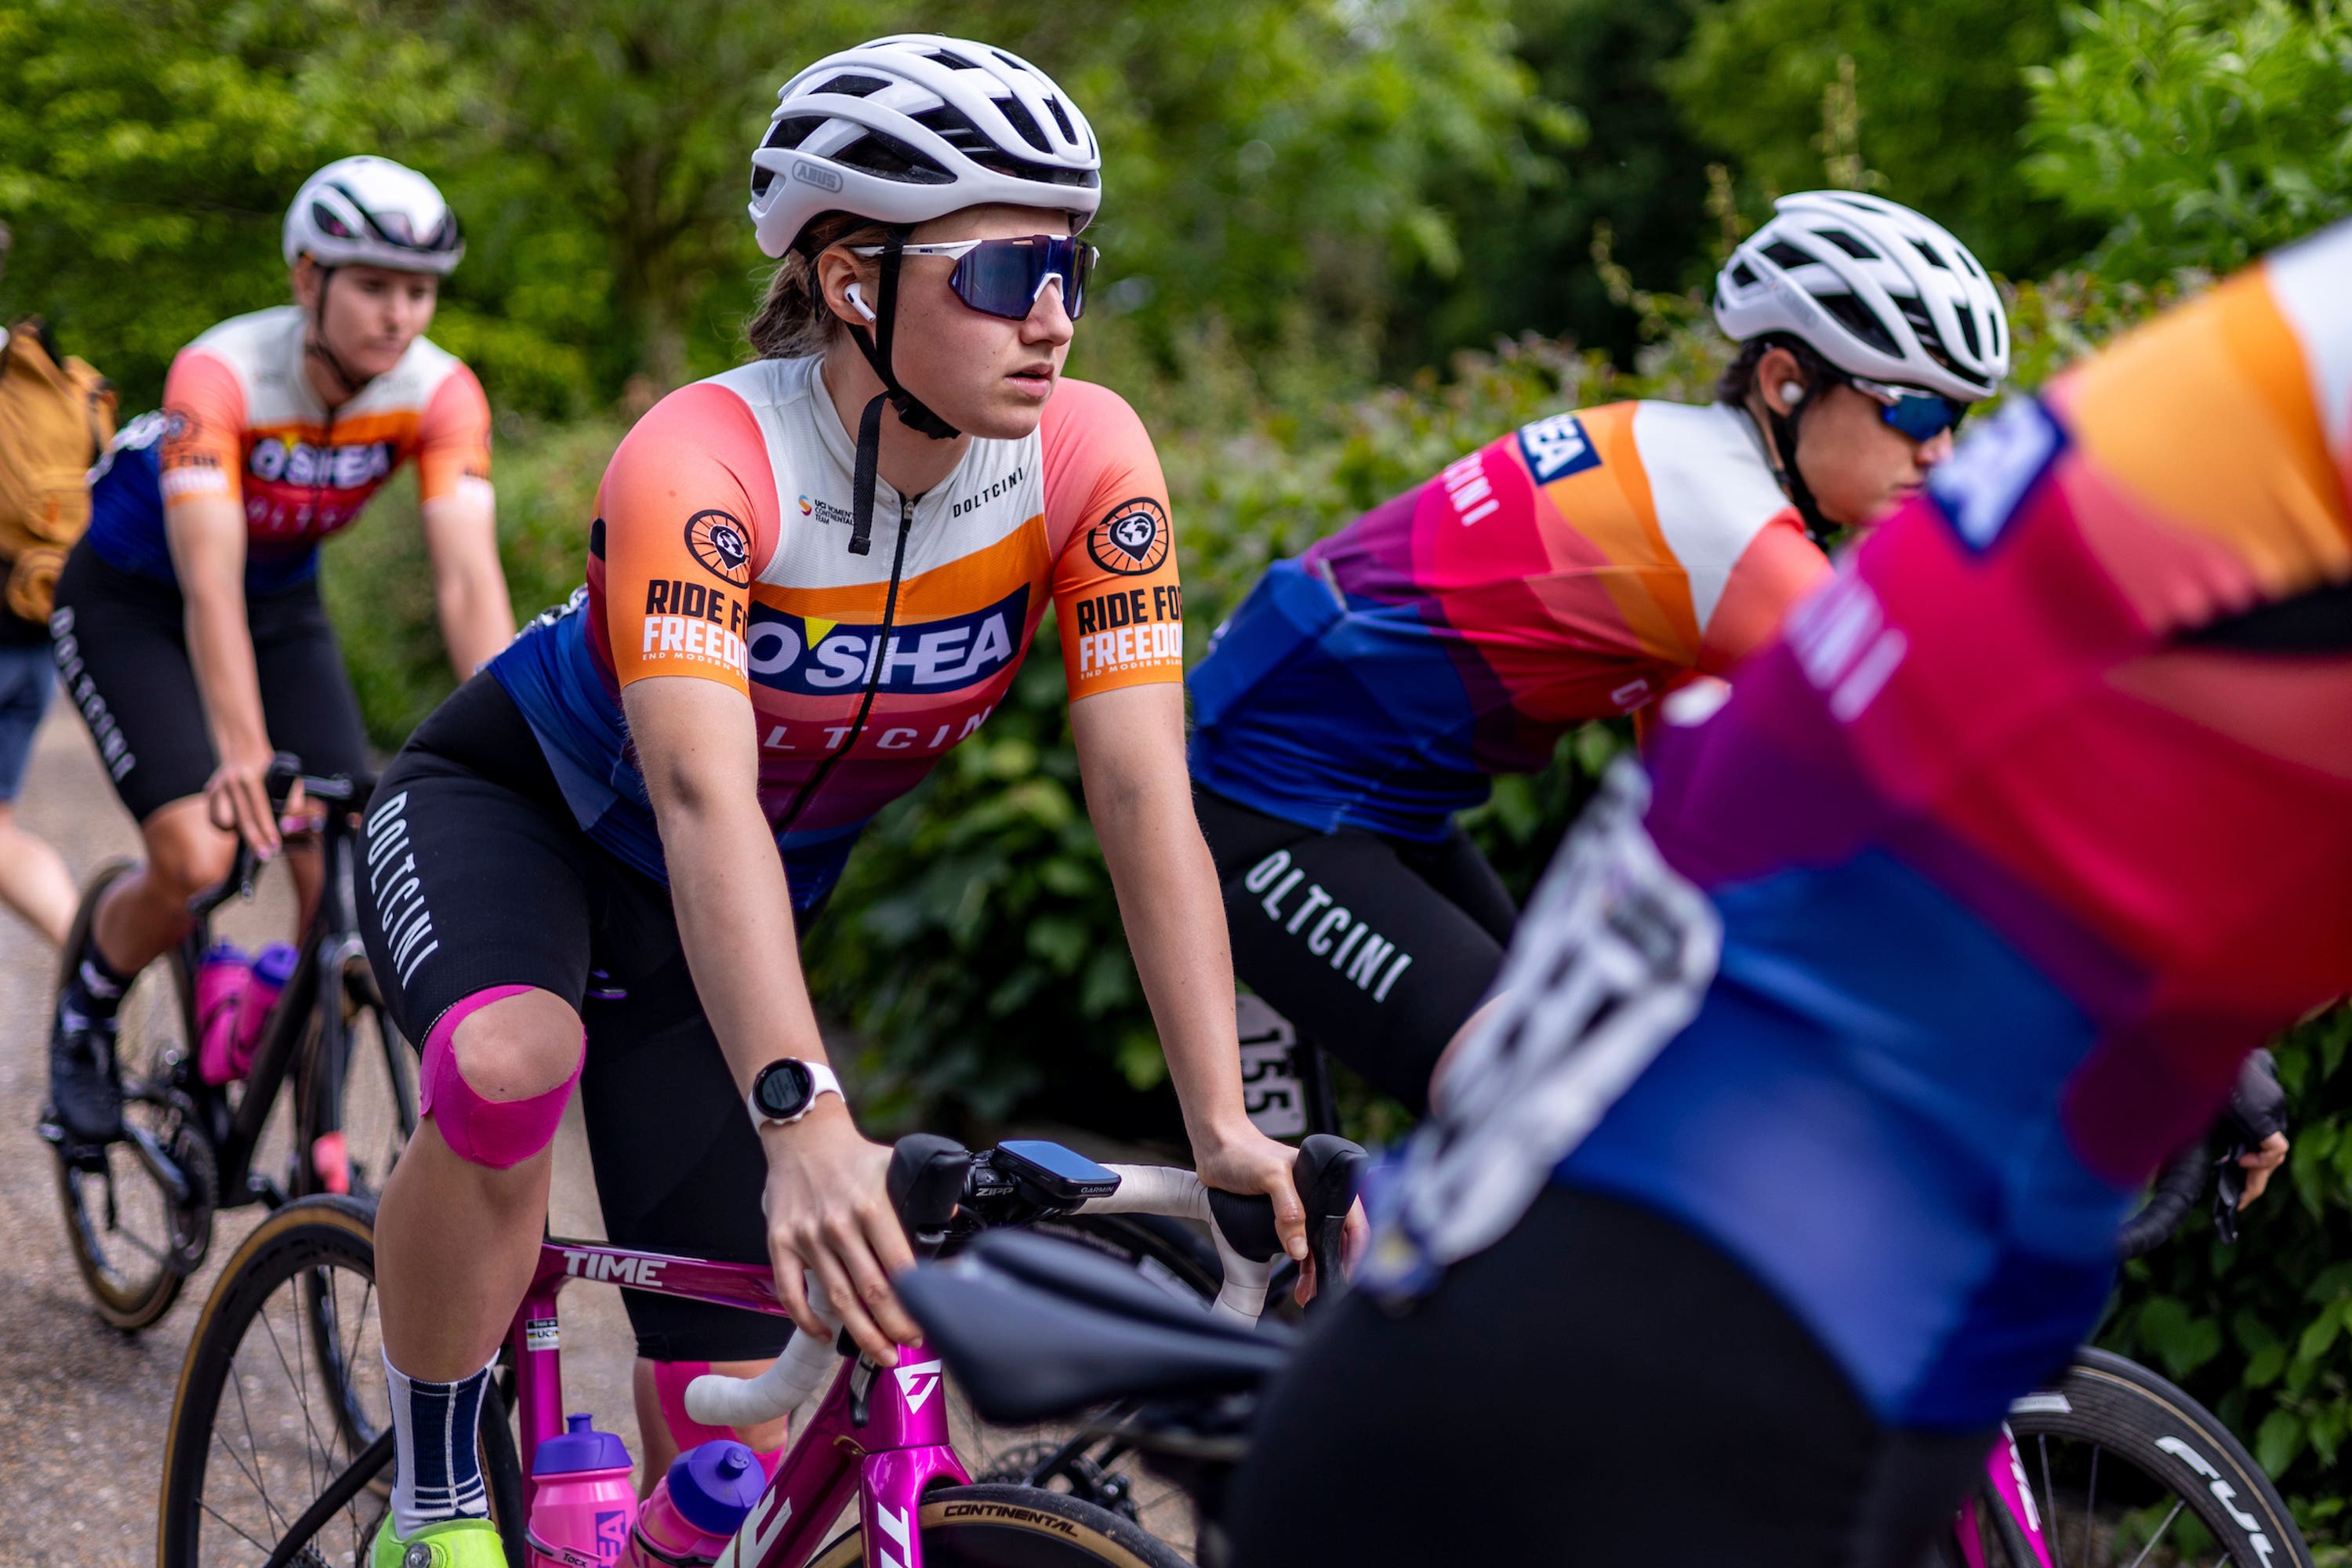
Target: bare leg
{"x":1470,"y":1026}
{"x":660,"y":1445}
{"x":33,"y":879}
{"x":455,"y":1241}
{"x":147,"y":910}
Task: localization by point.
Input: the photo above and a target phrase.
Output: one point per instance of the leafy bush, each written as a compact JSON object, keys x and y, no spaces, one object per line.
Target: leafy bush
{"x":2203,"y":132}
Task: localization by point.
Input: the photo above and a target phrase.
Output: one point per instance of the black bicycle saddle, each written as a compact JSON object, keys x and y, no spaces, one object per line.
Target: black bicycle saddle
{"x":1034,"y":1328}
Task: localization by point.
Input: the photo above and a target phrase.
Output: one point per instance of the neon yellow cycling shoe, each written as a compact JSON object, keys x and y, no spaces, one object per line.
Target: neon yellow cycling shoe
{"x":460,"y":1544}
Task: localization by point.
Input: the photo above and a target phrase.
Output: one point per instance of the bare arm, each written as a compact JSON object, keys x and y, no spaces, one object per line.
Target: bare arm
{"x":1130,"y":744}
{"x":827,"y":1210}
{"x":470,"y":586}
{"x":206,"y":535}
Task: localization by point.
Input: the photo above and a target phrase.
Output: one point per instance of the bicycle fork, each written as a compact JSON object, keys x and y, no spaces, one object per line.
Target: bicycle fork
{"x":2005,"y":1486}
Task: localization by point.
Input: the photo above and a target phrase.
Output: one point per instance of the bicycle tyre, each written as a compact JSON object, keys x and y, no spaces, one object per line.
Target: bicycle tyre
{"x":132,"y":1301}
{"x":318,"y":1082}
{"x":300,"y":1241}
{"x":2126,"y":1411}
{"x":1015,"y":1527}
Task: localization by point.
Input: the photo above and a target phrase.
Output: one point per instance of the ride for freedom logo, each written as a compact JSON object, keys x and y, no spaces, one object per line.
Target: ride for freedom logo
{"x":721,"y":545}
{"x":1132,"y":539}
{"x":1556,"y":447}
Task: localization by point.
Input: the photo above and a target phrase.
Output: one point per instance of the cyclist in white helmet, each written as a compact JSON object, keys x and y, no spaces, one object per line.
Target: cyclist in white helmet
{"x":1576,"y":569}
{"x":808,"y":580}
{"x":188,"y":627}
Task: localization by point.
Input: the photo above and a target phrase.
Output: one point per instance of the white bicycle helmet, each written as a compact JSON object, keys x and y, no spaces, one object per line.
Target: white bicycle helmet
{"x":375,"y":212}
{"x":1875,"y":289}
{"x":916,"y":126}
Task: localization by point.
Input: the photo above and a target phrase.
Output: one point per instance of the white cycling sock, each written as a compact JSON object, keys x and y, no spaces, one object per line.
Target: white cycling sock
{"x":437,"y":1463}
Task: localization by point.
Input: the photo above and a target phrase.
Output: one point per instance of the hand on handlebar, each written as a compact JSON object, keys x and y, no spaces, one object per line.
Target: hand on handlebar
{"x":829,"y":1215}
{"x":237,"y":798}
{"x":1250,"y":1162}
{"x":2258,"y":1162}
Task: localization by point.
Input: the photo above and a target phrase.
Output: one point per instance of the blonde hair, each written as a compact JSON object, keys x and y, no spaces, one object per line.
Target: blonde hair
{"x":793,"y":320}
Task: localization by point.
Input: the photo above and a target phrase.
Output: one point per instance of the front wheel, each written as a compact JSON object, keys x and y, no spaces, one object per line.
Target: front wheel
{"x":2126,"y":1469}
{"x":1015,"y":1527}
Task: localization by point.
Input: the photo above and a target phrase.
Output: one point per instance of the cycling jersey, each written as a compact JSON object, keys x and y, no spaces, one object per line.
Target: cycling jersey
{"x":240,"y":420}
{"x":2027,"y":830}
{"x":720,"y":553}
{"x":1572,"y":570}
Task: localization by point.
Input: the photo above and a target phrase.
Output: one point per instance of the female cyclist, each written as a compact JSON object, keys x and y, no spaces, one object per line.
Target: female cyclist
{"x":1575,"y":569}
{"x":188,"y":628}
{"x":807,"y":578}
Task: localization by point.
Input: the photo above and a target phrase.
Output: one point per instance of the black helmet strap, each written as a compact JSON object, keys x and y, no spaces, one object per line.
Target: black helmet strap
{"x":911,"y":412}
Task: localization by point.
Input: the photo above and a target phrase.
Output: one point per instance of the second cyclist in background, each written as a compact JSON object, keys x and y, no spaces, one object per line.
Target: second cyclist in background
{"x":1575,"y":569}
{"x":188,"y":627}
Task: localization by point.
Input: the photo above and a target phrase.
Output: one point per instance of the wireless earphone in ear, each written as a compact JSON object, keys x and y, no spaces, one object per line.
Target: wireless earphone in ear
{"x":857,"y":298}
{"x":1792,"y":392}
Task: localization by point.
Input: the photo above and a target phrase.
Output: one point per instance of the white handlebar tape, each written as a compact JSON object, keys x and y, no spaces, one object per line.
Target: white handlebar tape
{"x":808,"y":1362}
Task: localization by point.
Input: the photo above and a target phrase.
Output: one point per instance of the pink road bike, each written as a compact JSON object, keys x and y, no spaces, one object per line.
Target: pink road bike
{"x":279,"y":1456}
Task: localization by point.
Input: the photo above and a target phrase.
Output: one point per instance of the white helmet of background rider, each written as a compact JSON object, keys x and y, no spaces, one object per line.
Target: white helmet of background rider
{"x":916,"y":126}
{"x":1875,"y":289}
{"x":372,"y":211}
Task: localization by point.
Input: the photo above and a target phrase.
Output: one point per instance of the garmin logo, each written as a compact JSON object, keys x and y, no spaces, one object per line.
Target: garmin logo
{"x":816,"y":174}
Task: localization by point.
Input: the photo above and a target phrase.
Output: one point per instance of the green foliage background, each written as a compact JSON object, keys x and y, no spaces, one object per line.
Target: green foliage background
{"x":1346,"y":241}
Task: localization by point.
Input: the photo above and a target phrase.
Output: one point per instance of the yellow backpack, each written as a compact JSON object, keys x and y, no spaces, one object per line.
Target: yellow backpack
{"x":57,"y":415}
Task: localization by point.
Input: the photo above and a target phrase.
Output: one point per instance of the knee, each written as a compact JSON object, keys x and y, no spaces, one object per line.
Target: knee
{"x":186,"y":855}
{"x":499,"y":1069}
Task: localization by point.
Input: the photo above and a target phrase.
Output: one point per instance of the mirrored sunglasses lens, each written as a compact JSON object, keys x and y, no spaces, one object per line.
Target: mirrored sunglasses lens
{"x":999,"y":278}
{"x":1924,"y":418}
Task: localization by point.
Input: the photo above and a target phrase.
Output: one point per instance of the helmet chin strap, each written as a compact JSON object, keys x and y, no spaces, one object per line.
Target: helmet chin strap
{"x":910,"y":409}
{"x":315,"y":340}
{"x":1792,"y":479}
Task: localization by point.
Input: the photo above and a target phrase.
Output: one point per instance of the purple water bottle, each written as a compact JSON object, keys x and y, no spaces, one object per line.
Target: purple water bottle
{"x":273,"y":966}
{"x":223,"y":977}
{"x":584,"y":1504}
{"x":697,"y":1507}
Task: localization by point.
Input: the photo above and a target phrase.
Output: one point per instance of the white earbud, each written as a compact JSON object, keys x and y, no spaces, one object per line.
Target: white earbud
{"x":1792,"y":392}
{"x":855,"y":295}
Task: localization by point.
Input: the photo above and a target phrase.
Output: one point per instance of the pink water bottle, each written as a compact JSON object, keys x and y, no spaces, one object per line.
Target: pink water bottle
{"x":223,"y":977}
{"x":586,"y":1504}
{"x":697,"y":1507}
{"x":273,"y":966}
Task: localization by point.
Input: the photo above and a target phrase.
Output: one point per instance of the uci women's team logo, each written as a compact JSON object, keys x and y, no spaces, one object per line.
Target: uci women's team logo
{"x":1132,"y":540}
{"x":722,"y":546}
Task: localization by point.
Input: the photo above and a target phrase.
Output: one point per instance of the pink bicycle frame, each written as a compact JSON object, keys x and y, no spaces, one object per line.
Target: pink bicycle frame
{"x":880,"y":1434}
{"x":2005,"y":1472}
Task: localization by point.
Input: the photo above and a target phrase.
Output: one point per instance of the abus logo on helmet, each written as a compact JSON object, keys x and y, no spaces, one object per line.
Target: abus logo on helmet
{"x":816,"y":174}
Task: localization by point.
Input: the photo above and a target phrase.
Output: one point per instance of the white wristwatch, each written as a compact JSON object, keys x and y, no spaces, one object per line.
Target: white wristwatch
{"x":787,"y":1089}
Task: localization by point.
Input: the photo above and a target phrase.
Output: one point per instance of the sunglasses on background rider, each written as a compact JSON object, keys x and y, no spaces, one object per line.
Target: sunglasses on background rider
{"x":1004,"y":276}
{"x":1921,"y":415}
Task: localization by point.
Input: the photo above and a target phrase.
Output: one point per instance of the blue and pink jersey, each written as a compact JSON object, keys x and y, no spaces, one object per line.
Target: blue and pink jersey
{"x":1575,"y":569}
{"x":2031,"y":825}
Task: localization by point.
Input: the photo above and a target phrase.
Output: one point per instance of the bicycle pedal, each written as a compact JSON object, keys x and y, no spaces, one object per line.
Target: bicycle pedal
{"x":75,"y":1155}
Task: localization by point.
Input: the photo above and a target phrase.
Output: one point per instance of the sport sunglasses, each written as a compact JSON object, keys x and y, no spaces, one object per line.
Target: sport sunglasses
{"x":1006,"y":277}
{"x":1921,"y":415}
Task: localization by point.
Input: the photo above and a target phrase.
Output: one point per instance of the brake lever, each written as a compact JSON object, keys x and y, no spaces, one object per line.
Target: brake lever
{"x":2229,"y":1190}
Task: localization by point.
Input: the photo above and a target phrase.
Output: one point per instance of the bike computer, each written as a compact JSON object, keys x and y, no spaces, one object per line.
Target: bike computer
{"x":1063,"y":1175}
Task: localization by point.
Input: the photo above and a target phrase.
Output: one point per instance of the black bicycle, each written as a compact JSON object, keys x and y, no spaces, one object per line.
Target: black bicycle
{"x":138,"y":1212}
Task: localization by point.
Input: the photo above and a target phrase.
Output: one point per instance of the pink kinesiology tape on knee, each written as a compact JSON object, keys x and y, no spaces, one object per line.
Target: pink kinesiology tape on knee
{"x":670,"y":1378}
{"x":493,"y":1132}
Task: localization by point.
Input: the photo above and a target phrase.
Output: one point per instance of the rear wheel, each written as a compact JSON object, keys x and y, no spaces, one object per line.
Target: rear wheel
{"x":135,"y":1239}
{"x":2125,"y":1468}
{"x":1015,"y":1527}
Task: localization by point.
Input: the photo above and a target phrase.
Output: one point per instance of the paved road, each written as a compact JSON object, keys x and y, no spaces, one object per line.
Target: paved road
{"x":82,"y":1407}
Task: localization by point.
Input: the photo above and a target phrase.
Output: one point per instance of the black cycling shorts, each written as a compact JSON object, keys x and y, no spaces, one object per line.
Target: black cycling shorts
{"x":122,"y":648}
{"x":1376,"y":949}
{"x":510,"y":891}
{"x":1600,"y":1385}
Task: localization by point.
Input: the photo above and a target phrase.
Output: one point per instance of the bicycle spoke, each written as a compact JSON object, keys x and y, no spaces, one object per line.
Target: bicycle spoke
{"x":2177,"y":1504}
{"x":2090,"y":1504}
{"x":260,"y":1546}
{"x":2050,"y":1499}
{"x":245,"y":1416}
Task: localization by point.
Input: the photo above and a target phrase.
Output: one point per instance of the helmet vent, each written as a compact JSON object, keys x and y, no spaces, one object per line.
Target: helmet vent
{"x":946,"y":58}
{"x":1743,"y":276}
{"x":1857,"y":320}
{"x":1850,"y":245}
{"x":887,"y":156}
{"x":1022,"y":121}
{"x":791,"y":133}
{"x":855,"y":86}
{"x":1929,"y":256}
{"x":324,"y":217}
{"x":1915,"y":312}
{"x":1969,"y":336}
{"x":1062,"y":119}
{"x":1782,"y":254}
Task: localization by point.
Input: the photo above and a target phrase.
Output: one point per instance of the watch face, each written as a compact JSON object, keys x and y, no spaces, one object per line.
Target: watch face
{"x":783,"y":1089}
